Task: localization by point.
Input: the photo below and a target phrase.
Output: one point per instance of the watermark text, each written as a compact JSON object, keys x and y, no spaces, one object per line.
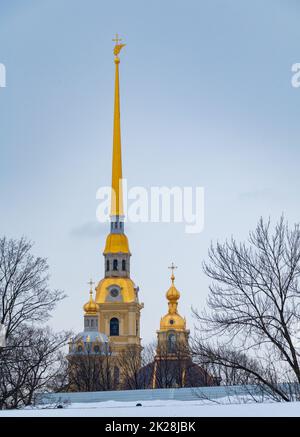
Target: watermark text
{"x":296,"y":76}
{"x":2,"y":76}
{"x":156,"y":205}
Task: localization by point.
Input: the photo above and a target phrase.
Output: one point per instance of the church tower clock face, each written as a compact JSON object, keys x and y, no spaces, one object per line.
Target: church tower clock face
{"x":114,"y":292}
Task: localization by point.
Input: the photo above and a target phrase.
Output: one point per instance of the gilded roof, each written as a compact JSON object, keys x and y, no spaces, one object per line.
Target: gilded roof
{"x":116,"y":243}
{"x":126,"y":286}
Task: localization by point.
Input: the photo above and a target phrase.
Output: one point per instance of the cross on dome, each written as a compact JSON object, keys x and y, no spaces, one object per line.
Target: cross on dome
{"x":91,"y":283}
{"x":117,"y":39}
{"x":172,"y":267}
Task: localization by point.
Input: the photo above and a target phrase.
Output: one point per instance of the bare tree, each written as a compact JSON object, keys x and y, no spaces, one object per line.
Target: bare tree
{"x":252,"y":326}
{"x":25,"y":296}
{"x":60,"y":382}
{"x":173,"y":368}
{"x":29,"y":360}
{"x":91,"y":371}
{"x":133,"y":364}
{"x":28,"y":364}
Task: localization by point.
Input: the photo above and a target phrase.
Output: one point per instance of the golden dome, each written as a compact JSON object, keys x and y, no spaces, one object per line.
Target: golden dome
{"x":126,"y":285}
{"x":172,"y":320}
{"x":90,"y":308}
{"x":172,"y":294}
{"x":116,"y":243}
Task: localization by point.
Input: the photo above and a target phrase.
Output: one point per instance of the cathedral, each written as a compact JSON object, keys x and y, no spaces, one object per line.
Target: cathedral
{"x":112,"y":315}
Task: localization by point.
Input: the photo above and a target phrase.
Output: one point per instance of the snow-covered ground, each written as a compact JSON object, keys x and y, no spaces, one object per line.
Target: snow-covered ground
{"x":162,"y":409}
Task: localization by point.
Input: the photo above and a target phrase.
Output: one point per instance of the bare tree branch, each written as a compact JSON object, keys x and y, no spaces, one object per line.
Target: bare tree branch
{"x":254,"y":304}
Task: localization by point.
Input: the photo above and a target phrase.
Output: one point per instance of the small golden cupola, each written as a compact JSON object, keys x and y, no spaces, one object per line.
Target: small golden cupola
{"x":172,"y":320}
{"x":90,"y":308}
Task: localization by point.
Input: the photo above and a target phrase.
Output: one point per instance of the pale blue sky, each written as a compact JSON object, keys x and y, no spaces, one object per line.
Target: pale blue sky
{"x":206,"y":99}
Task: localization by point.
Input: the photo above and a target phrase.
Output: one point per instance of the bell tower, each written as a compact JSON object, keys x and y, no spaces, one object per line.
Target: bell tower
{"x":116,"y":294}
{"x":172,"y":353}
{"x":172,"y":337}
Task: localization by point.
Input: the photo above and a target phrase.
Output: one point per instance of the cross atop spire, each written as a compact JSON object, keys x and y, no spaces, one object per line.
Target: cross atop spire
{"x":91,"y":283}
{"x":172,"y":267}
{"x":118,"y":47}
{"x":117,"y":39}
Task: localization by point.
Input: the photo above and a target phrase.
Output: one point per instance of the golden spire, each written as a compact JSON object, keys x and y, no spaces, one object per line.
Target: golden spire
{"x":117,"y":192}
{"x":116,"y":241}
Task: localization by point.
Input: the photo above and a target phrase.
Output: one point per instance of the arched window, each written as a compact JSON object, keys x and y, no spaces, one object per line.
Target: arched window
{"x":171,"y":342}
{"x":123,"y":265}
{"x":114,"y":326}
{"x":115,"y":264}
{"x":92,"y":322}
{"x":107,"y":265}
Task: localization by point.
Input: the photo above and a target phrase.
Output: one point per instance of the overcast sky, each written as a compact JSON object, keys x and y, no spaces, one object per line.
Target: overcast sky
{"x":206,"y":100}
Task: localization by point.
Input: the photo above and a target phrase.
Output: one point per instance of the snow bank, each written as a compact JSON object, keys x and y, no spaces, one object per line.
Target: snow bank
{"x":201,"y":408}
